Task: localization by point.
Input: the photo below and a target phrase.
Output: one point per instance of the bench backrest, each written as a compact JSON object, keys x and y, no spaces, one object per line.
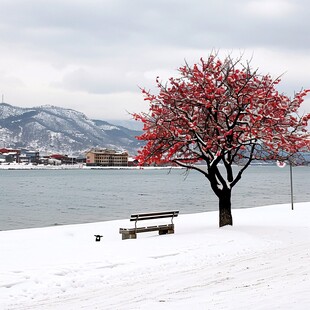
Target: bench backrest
{"x":153,"y":215}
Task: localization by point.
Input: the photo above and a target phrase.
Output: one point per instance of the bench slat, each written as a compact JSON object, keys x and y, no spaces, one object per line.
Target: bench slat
{"x":156,"y":213}
{"x":153,"y":216}
{"x":146,"y":229}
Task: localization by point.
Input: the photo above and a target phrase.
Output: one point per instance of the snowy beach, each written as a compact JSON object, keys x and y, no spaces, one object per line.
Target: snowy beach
{"x":262,"y":262}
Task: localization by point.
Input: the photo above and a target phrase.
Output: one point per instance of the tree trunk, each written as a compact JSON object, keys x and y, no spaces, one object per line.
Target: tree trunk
{"x":225,"y":208}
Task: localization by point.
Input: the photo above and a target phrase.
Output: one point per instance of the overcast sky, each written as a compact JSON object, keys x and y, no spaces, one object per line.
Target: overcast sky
{"x":92,"y":55}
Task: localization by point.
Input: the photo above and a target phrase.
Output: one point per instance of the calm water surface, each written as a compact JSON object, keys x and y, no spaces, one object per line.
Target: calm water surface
{"x":38,"y":198}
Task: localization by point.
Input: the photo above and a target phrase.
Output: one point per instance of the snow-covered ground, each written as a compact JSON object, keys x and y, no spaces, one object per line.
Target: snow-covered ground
{"x":262,"y":262}
{"x":16,"y":166}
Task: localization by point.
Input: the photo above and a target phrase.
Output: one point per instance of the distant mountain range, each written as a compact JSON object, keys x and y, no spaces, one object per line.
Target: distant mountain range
{"x":54,"y":129}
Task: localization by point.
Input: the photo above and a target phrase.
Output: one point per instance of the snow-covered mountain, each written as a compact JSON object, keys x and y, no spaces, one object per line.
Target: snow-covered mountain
{"x":54,"y":129}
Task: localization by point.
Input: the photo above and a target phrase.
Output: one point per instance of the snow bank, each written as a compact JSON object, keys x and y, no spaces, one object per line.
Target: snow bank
{"x":262,"y":262}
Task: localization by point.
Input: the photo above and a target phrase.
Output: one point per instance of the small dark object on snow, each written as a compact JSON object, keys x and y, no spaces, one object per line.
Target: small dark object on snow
{"x":98,"y":237}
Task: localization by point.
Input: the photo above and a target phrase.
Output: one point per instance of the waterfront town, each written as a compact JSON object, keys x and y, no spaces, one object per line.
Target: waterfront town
{"x":93,"y":157}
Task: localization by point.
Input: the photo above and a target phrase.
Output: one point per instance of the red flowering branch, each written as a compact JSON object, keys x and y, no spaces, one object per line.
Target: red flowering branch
{"x":221,"y":112}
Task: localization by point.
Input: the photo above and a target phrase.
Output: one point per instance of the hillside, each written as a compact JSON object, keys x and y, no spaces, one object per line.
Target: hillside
{"x":56,"y":129}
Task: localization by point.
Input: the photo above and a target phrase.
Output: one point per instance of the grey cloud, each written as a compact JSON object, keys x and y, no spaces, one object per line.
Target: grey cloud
{"x":92,"y":26}
{"x":11,"y":81}
{"x":112,"y":44}
{"x":105,"y":81}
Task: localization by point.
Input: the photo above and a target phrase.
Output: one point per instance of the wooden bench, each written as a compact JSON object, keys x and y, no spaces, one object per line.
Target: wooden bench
{"x":131,"y":233}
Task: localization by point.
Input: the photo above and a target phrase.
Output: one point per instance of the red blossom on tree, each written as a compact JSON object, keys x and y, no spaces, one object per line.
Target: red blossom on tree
{"x":221,"y":112}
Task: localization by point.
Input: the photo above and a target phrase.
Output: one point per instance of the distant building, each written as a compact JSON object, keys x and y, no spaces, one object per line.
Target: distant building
{"x":132,"y":162}
{"x":58,"y":159}
{"x":106,"y":158}
{"x":10,"y":155}
{"x":64,"y":159}
{"x":29,"y":156}
{"x":2,"y":158}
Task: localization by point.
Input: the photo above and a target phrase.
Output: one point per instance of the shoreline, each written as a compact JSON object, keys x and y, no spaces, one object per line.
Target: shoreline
{"x":193,"y":214}
{"x":15,"y":166}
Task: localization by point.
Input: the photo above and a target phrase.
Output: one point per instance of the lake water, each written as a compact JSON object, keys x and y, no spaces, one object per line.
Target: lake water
{"x":38,"y":198}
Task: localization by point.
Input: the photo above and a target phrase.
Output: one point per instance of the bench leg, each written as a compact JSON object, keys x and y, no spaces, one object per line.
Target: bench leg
{"x":129,"y":236}
{"x":166,"y":231}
